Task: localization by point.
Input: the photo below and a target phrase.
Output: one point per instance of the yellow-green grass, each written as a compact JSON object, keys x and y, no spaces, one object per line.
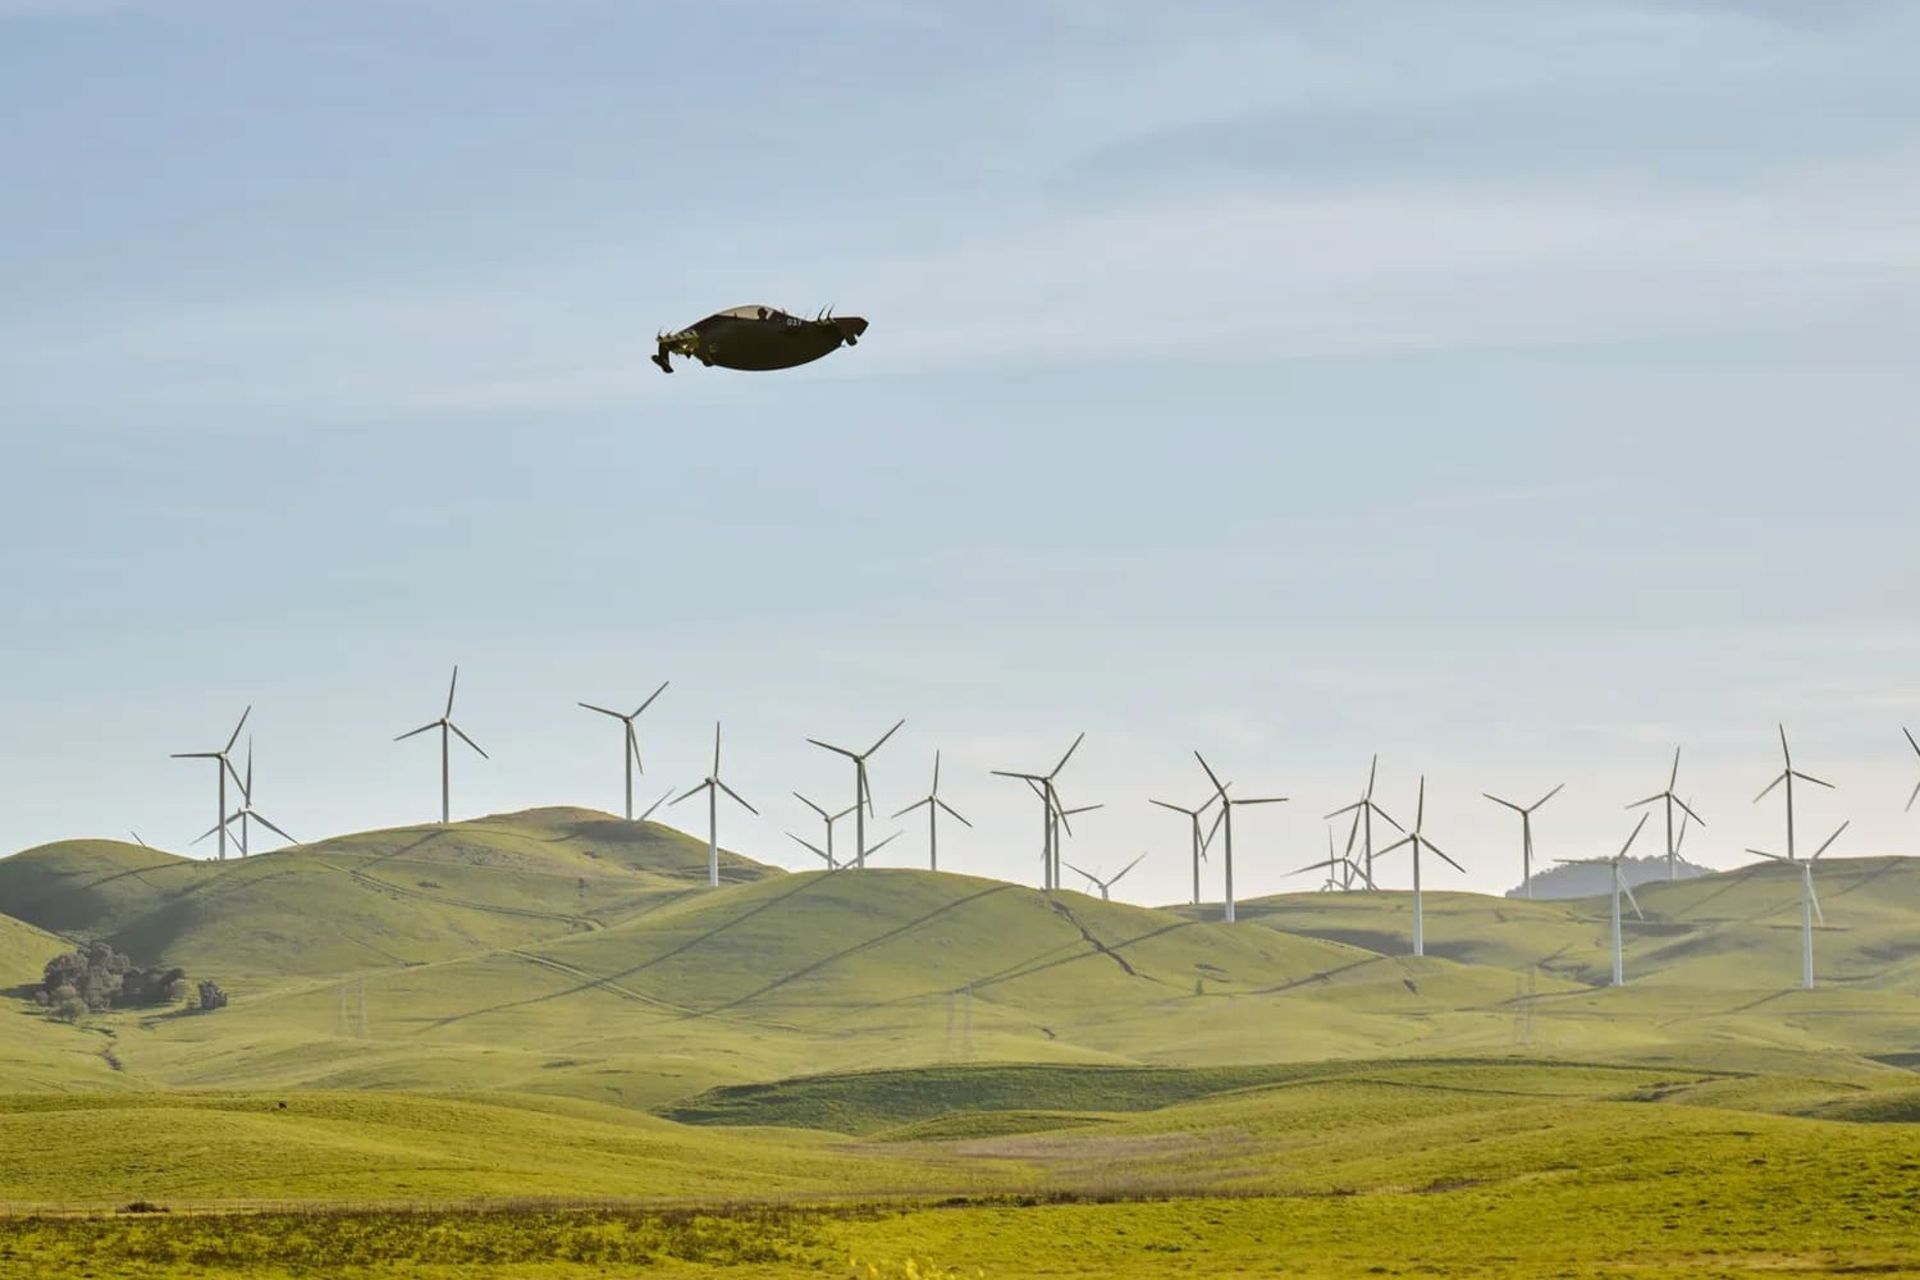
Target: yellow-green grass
{"x":1417,"y":1168}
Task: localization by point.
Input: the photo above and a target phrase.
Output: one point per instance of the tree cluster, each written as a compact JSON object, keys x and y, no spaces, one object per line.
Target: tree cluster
{"x":96,"y":977}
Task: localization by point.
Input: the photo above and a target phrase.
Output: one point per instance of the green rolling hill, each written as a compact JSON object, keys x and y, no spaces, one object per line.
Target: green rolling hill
{"x":562,"y":962}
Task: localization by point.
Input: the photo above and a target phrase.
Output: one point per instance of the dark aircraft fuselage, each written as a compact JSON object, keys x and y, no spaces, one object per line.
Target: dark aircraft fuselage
{"x":759,"y":338}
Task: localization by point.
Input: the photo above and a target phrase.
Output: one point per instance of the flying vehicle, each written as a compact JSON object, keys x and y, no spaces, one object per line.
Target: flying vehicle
{"x":759,"y":338}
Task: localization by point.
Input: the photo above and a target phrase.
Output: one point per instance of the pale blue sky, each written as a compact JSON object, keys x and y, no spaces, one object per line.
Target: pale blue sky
{"x":1517,"y":390}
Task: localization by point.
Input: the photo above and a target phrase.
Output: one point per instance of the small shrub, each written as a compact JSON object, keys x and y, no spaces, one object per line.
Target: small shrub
{"x":211,"y":996}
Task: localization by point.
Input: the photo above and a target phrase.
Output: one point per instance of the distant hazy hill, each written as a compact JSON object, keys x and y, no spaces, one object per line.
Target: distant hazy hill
{"x":1583,"y":880}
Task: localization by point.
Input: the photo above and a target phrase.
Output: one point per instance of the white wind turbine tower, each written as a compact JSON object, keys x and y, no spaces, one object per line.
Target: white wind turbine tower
{"x":447,"y":729}
{"x":630,"y":747}
{"x":246,"y":814}
{"x":934,"y":804}
{"x":1225,"y":823}
{"x":1055,"y":817}
{"x":1364,"y":809}
{"x":1620,"y":886}
{"x":1787,"y":775}
{"x":1671,"y":798}
{"x":829,"y":819}
{"x":862,"y":797}
{"x":1526,"y":829}
{"x":223,"y":766}
{"x":1417,"y":840}
{"x":1105,"y":886}
{"x":712,"y":785}
{"x":1809,"y":902}
{"x":1200,"y":839}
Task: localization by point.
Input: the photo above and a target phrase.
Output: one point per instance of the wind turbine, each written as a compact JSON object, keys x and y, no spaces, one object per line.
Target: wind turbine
{"x":630,"y":748}
{"x":1418,"y":840}
{"x":829,"y":819}
{"x":1105,"y":886}
{"x":712,"y":785}
{"x":1787,"y":775}
{"x":1620,"y":886}
{"x":1225,"y":821}
{"x":862,"y":798}
{"x":246,"y":814}
{"x":1200,"y":839}
{"x":1809,"y":902}
{"x":1365,"y":808}
{"x":223,"y":766}
{"x":1671,"y":798}
{"x":1063,"y":815}
{"x":1042,"y":785}
{"x":447,"y":727}
{"x":934,"y":804}
{"x":1526,"y":829}
{"x":1334,"y":862}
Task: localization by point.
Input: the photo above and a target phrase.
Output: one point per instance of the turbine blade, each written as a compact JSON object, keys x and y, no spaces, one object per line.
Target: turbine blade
{"x":1315,"y":866}
{"x":1404,"y":840}
{"x":469,"y":741}
{"x":1762,"y":853}
{"x":451,"y":686}
{"x":1770,"y":786}
{"x":1436,"y":849}
{"x":1212,"y":777}
{"x":235,"y":736}
{"x":883,"y":738}
{"x":736,"y":795}
{"x":1814,"y":899}
{"x":422,"y":729}
{"x":808,"y":843}
{"x":1329,"y":817}
{"x":1070,"y":750}
{"x":655,"y":805}
{"x":716,"y":748}
{"x":1122,"y":871}
{"x":936,"y":774}
{"x":1263,"y":800}
{"x":1912,"y":796}
{"x":1388,"y":818}
{"x":261,"y":818}
{"x":875,"y":848}
{"x":1636,"y":834}
{"x":1828,"y":842}
{"x":1628,"y":890}
{"x":602,"y":710}
{"x":691,"y":791}
{"x":917,"y":804}
{"x":1910,"y":741}
{"x":1688,"y":810}
{"x":206,"y":755}
{"x":825,"y":816}
{"x":633,"y":746}
{"x":839,"y":751}
{"x":1818,"y":782}
{"x":954,"y":813}
{"x":1649,"y":800}
{"x":1508,"y":803}
{"x":1077,"y":871}
{"x":1193,"y":812}
{"x":1673,"y":779}
{"x":1543,"y":799}
{"x":649,"y":702}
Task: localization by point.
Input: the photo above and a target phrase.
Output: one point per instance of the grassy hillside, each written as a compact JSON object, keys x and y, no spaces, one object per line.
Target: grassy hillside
{"x":376,"y":899}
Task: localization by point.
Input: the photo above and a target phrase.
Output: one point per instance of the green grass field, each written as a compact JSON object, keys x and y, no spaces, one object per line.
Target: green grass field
{"x":547,"y":1029}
